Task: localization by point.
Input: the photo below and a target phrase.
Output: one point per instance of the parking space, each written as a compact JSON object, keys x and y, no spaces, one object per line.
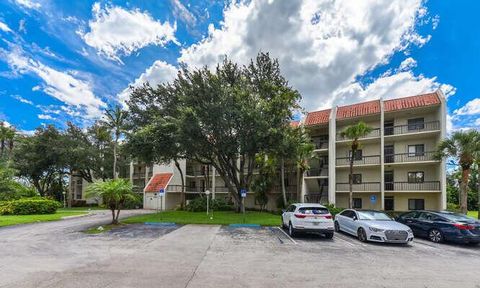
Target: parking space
{"x":219,"y":256}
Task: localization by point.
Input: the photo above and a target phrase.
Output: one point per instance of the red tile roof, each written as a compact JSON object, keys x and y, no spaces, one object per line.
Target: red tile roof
{"x":360,"y":109}
{"x":317,"y":117}
{"x":157,"y":182}
{"x":411,"y":102}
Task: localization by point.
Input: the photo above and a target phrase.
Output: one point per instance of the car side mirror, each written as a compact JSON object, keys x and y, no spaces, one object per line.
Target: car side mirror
{"x":283,"y":210}
{"x":355,"y":218}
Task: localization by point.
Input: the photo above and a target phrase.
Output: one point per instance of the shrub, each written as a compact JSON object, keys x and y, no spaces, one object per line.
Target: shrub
{"x":79,"y":203}
{"x":333,"y":210}
{"x":453,"y":207}
{"x":134,"y":203}
{"x":200,"y":204}
{"x":28,"y":207}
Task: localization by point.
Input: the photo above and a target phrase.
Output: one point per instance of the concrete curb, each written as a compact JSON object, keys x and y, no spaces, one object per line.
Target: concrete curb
{"x":244,"y":225}
{"x":161,"y":223}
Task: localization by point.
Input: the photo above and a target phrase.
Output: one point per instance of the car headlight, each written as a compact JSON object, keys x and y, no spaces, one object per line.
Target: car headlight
{"x":410,"y":231}
{"x":375,"y":229}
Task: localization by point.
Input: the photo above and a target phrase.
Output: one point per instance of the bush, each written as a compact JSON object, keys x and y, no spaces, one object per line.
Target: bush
{"x":453,"y":207}
{"x":333,"y":210}
{"x":200,"y":204}
{"x":134,"y":203}
{"x":79,"y":203}
{"x":28,"y":207}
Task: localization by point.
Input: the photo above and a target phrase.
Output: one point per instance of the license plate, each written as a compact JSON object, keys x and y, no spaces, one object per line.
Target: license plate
{"x":316,"y":223}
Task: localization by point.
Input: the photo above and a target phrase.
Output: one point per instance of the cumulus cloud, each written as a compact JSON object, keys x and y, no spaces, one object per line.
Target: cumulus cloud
{"x":183,"y":13}
{"x":322,"y":46}
{"x":159,"y":72}
{"x":45,"y":117}
{"x":471,"y":108}
{"x":4,"y":27}
{"x":407,"y":64}
{"x":23,"y":100}
{"x":61,"y":85}
{"x":115,"y":32}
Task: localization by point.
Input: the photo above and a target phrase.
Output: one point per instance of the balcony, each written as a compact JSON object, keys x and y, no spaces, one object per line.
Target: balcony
{"x":138,"y":175}
{"x":317,"y":172}
{"x":316,"y":197}
{"x":412,"y":186}
{"x":412,"y":128}
{"x":364,"y":160}
{"x":410,"y":157}
{"x":373,"y":134}
{"x":320,"y":143}
{"x":360,"y":187}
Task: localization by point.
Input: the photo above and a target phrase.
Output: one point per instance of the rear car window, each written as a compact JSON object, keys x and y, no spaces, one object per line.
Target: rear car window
{"x":458,"y":217}
{"x":313,"y":210}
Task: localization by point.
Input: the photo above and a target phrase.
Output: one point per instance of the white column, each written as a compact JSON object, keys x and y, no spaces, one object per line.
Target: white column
{"x":131,"y":171}
{"x":443,"y":135}
{"x":332,"y":155}
{"x":382,"y":150}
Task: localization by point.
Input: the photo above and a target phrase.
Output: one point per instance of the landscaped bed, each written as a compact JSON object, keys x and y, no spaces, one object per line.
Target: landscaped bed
{"x":7,"y":220}
{"x":219,"y":218}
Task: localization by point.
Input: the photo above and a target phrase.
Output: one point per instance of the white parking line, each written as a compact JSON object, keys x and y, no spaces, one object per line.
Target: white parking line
{"x":291,"y":239}
{"x":337,"y":236}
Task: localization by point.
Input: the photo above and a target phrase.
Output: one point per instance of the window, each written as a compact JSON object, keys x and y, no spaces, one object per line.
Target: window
{"x":416,"y":150}
{"x":416,"y":177}
{"x":291,"y":208}
{"x":357,"y":156}
{"x":416,"y":204}
{"x":416,"y":124}
{"x":357,"y":203}
{"x":410,"y":215}
{"x":348,"y":213}
{"x":78,"y":189}
{"x":356,"y":178}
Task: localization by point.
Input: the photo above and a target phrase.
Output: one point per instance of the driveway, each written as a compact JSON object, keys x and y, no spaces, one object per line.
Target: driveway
{"x":57,"y":255}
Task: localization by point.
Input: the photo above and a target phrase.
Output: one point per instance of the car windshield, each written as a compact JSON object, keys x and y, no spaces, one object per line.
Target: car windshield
{"x":373,"y":215}
{"x":457,"y":217}
{"x":313,"y":210}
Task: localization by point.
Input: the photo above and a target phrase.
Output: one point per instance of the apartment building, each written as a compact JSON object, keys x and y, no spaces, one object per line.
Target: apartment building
{"x":394,"y":168}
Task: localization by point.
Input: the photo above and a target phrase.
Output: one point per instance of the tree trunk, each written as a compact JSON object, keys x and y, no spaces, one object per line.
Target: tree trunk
{"x":115,"y":158}
{"x":299,"y":184}
{"x":478,"y":189}
{"x":282,"y":176}
{"x":113,"y":216}
{"x":350,"y":181}
{"x":2,"y":147}
{"x":182,"y":193}
{"x":118,"y":214}
{"x":463,"y":190}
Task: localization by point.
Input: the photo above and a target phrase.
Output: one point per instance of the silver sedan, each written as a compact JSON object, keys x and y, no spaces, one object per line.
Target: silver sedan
{"x":372,"y":225}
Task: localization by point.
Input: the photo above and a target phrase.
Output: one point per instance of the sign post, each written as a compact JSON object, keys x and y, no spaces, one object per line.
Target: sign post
{"x":161,"y":193}
{"x":208,"y":196}
{"x":243,"y":194}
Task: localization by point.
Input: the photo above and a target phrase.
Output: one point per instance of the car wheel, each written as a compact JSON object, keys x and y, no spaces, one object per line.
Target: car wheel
{"x":337,"y":226}
{"x":329,"y":235}
{"x":435,"y":236}
{"x":291,"y":230}
{"x":361,"y":235}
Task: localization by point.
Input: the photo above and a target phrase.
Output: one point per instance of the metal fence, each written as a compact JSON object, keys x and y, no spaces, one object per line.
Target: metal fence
{"x":364,"y":186}
{"x":412,"y":128}
{"x":413,"y":186}
{"x":409,"y":157}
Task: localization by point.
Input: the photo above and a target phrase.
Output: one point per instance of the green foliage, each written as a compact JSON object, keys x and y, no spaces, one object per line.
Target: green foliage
{"x":28,"y":207}
{"x":333,"y":210}
{"x":115,"y":194}
{"x":200,"y":204}
{"x":134,"y":202}
{"x":453,"y":207}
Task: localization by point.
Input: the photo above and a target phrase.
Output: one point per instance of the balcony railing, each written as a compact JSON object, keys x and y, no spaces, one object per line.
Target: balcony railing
{"x":409,"y":157}
{"x":314,"y":172}
{"x":374,"y":133}
{"x":364,"y":186}
{"x":316,"y":197}
{"x":364,"y":160}
{"x":413,"y":186}
{"x":412,"y":128}
{"x":139,"y":175}
{"x":320,"y":143}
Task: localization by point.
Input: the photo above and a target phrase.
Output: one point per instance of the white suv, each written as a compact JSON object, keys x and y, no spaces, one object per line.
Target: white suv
{"x":308,"y":217}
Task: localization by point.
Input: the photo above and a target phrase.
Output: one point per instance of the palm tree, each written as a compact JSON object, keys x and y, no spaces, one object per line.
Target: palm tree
{"x":116,"y":121}
{"x":354,"y":132}
{"x":304,"y":153}
{"x":3,"y":137}
{"x":10,"y":136}
{"x":463,"y":146}
{"x":114,"y":193}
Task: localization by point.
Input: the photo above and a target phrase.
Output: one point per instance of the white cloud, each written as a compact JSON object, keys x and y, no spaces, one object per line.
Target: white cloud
{"x":4,"y":27}
{"x":322,"y":46}
{"x":159,"y":72}
{"x":183,"y":13}
{"x":115,"y":32}
{"x":29,"y":4}
{"x":45,"y":117}
{"x":61,"y":85}
{"x":471,"y":108}
{"x":23,"y":100}
{"x":408,"y":64}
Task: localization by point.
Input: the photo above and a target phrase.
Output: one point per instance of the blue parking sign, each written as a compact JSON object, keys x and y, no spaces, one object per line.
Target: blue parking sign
{"x":373,"y":199}
{"x":243,"y":193}
{"x":161,"y":192}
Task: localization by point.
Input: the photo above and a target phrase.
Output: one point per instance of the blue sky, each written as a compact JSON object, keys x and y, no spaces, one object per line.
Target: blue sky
{"x":68,"y":60}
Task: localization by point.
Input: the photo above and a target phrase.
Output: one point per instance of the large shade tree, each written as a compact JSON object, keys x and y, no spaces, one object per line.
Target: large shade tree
{"x":463,"y":147}
{"x":354,"y":133}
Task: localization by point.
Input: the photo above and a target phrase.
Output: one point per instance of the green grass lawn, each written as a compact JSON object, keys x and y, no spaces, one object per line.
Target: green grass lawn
{"x":7,"y":220}
{"x":220,"y":217}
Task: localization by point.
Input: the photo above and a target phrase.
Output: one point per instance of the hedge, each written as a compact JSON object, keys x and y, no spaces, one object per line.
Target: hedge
{"x":200,"y":204}
{"x":28,"y":207}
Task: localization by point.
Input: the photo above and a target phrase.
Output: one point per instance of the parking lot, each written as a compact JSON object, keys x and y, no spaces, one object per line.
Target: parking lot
{"x":221,"y":256}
